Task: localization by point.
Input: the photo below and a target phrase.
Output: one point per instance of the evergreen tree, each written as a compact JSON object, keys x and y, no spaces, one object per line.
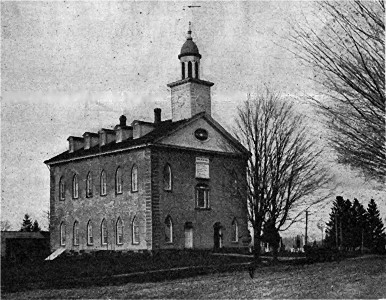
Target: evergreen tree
{"x":27,"y":223}
{"x":35,"y":226}
{"x":359,"y":228}
{"x":376,"y":235}
{"x":337,"y":232}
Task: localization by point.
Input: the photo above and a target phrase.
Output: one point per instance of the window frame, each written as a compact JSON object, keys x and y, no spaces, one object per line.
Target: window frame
{"x":168,"y":186}
{"x":75,"y":234}
{"x":75,"y":187}
{"x":201,"y":187}
{"x":103,"y":183}
{"x":118,"y":181}
{"x":119,"y":231}
{"x":235,"y":231}
{"x":104,"y":233}
{"x":135,"y":235}
{"x":169,"y":228}
{"x":62,"y":230}
{"x":62,"y":191}
{"x":134,"y":179}
{"x":90,"y":233}
{"x":89,"y":186}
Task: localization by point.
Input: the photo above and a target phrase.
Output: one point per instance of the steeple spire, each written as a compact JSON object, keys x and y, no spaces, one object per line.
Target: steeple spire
{"x":189,"y":36}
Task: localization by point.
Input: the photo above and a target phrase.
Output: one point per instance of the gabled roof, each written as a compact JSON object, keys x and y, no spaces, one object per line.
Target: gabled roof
{"x":161,"y":130}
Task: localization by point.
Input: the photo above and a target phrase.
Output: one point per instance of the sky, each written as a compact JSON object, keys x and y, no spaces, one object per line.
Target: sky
{"x":68,"y":67}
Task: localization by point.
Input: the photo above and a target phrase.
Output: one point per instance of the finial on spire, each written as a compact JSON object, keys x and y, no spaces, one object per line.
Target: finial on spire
{"x":189,"y":37}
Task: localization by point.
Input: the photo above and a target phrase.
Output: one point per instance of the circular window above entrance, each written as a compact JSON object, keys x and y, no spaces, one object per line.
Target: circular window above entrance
{"x":201,"y":134}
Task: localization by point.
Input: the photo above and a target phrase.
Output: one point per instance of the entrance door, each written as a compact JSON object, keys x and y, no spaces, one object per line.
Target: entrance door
{"x":217,"y":236}
{"x":188,"y":237}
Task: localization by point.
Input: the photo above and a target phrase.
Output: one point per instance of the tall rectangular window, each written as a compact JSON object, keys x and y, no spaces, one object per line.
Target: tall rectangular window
{"x":62,"y":234}
{"x":75,"y":187}
{"x":103,"y":183}
{"x":135,"y":231}
{"x":62,"y":194}
{"x":90,"y":239}
{"x":104,"y":237}
{"x":202,"y":196}
{"x":76,"y":234}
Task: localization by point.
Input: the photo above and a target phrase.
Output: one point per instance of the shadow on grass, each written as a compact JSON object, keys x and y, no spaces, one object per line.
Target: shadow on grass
{"x":103,"y":269}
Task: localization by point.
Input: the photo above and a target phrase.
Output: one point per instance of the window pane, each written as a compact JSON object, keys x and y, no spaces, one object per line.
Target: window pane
{"x":89,"y":185}
{"x":135,"y":231}
{"x":75,"y":187}
{"x":61,"y":189}
{"x":200,"y":198}
{"x":168,"y":230}
{"x":104,"y":232}
{"x":62,"y":234}
{"x":134,"y":179}
{"x":76,"y":234}
{"x":118,"y":181}
{"x":103,"y":183}
{"x":119,"y":232}
{"x":89,"y":234}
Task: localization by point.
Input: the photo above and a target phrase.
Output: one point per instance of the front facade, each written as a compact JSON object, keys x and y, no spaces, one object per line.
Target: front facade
{"x":171,"y":184}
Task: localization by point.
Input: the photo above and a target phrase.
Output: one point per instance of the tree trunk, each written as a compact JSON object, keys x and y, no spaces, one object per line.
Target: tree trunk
{"x":257,"y":243}
{"x":275,"y":253}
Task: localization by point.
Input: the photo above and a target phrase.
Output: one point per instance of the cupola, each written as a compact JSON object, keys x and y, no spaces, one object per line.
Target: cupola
{"x":190,"y":57}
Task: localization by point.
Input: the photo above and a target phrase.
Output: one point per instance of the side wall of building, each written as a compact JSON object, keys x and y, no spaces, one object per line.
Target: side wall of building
{"x":126,"y":205}
{"x":226,"y":196}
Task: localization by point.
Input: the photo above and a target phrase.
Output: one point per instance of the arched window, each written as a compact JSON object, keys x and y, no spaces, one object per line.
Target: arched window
{"x":135,"y":231}
{"x":75,"y":234}
{"x":103,"y":183}
{"x":196,"y":68}
{"x":183,"y":70}
{"x":62,"y":234}
{"x":75,"y":187}
{"x":90,"y":239}
{"x":62,"y":193}
{"x":119,"y":232}
{"x":202,"y":196}
{"x":235,"y":230}
{"x":118,"y":181}
{"x":134,"y":179}
{"x":168,"y":230}
{"x":190,"y":69}
{"x":89,"y":185}
{"x":104,"y":237}
{"x":167,"y":178}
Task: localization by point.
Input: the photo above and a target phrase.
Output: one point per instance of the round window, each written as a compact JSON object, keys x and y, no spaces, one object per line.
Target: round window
{"x":201,"y":134}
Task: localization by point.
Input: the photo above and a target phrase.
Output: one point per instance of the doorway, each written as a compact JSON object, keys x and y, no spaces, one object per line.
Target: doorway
{"x":217,"y":235}
{"x":188,"y":235}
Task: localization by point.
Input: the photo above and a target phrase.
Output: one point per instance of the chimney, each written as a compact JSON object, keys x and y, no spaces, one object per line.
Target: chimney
{"x":106,"y":136}
{"x":122,"y":131}
{"x":157,"y":115}
{"x":74,"y":143}
{"x":90,"y":140}
{"x":122,"y":121}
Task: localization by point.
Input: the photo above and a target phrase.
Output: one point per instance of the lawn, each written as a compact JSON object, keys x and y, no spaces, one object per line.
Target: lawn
{"x":98,"y":269}
{"x":352,"y":278}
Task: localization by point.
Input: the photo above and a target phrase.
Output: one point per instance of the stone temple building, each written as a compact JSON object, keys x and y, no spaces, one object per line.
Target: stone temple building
{"x":166,"y":184}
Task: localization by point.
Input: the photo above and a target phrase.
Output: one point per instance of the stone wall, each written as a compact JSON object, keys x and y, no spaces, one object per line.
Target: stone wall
{"x":226,"y":202}
{"x":111,"y":206}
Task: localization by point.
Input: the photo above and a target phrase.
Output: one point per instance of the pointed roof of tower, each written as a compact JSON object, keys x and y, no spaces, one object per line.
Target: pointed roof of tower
{"x":189,"y":48}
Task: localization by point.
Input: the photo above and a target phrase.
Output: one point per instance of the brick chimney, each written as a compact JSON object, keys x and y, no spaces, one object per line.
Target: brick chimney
{"x":157,"y":115}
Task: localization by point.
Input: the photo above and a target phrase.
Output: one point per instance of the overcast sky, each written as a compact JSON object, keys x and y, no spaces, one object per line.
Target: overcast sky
{"x":74,"y":66}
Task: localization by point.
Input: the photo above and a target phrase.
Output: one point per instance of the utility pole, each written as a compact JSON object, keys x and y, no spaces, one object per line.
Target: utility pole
{"x":306,"y":237}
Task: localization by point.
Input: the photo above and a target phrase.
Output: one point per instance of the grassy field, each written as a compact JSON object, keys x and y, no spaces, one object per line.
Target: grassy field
{"x":353,"y":278}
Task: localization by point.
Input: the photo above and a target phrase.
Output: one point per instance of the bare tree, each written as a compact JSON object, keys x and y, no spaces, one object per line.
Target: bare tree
{"x":348,"y":58}
{"x":5,"y":225}
{"x":283,"y":169}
